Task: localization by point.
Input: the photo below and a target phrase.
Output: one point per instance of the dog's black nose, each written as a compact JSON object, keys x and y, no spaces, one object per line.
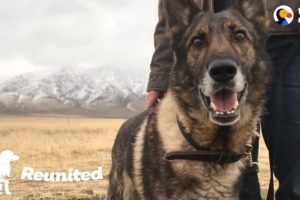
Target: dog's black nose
{"x":223,"y":70}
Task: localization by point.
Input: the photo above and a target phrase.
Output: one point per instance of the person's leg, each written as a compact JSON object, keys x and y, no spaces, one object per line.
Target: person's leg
{"x":287,"y":158}
{"x":288,"y":154}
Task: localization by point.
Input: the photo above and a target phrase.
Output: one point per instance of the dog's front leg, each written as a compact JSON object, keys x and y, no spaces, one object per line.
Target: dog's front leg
{"x":6,"y":187}
{"x":0,"y":186}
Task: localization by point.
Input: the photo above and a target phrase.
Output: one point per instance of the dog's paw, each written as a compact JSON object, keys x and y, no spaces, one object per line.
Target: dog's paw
{"x":8,"y":193}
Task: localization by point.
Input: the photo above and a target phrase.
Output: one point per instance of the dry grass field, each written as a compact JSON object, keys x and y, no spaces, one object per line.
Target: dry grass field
{"x":57,"y":143}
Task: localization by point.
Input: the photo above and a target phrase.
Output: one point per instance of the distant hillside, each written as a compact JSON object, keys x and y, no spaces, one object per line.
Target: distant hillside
{"x":93,"y":91}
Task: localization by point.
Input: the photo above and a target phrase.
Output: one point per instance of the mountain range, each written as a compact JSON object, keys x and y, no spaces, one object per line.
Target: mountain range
{"x":86,"y":91}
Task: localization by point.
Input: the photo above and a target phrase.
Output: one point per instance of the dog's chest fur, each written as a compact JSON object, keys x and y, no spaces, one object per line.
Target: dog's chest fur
{"x":211,"y":181}
{"x":180,"y":179}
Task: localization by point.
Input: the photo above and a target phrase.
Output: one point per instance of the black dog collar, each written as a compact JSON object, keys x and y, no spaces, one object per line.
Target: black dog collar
{"x":202,"y":154}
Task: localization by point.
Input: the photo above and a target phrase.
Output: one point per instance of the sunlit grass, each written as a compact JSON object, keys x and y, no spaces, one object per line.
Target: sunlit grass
{"x":57,"y":143}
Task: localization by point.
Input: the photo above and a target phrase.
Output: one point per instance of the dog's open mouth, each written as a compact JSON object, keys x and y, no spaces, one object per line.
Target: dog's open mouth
{"x":224,"y":105}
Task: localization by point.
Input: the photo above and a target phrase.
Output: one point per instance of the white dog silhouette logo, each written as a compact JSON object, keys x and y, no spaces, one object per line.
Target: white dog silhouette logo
{"x":6,"y":157}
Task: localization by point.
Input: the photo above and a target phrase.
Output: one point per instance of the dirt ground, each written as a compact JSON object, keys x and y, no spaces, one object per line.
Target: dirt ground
{"x":57,"y":143}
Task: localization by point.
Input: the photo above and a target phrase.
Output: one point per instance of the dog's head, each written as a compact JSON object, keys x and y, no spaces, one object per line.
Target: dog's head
{"x":220,"y":62}
{"x":8,"y":156}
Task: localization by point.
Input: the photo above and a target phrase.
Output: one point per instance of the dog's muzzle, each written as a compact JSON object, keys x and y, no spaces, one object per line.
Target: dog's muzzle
{"x":224,"y":91}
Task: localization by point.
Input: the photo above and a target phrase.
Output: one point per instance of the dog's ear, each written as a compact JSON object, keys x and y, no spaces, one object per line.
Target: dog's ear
{"x":179,"y":14}
{"x":255,"y":11}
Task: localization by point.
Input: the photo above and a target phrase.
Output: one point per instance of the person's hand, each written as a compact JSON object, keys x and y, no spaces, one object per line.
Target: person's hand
{"x":152,"y":98}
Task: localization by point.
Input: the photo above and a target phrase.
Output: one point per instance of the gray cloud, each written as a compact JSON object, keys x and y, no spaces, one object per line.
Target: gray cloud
{"x":37,"y":34}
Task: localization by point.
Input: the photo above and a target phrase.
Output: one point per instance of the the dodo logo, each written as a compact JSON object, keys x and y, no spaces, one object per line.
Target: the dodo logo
{"x":283,"y":15}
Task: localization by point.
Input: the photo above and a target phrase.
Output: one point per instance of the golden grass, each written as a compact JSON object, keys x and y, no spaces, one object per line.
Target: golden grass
{"x":58,"y":143}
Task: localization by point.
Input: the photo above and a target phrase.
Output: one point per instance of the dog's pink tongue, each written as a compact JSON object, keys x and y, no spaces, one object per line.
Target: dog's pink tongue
{"x":224,"y":100}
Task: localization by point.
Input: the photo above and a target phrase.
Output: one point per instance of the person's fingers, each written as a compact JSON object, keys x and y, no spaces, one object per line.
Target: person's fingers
{"x":151,"y":100}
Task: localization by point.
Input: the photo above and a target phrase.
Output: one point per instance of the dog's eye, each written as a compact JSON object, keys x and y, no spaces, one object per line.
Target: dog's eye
{"x":239,"y":36}
{"x":198,"y":41}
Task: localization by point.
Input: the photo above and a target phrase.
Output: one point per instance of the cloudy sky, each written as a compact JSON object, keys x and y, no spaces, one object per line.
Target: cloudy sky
{"x":48,"y":34}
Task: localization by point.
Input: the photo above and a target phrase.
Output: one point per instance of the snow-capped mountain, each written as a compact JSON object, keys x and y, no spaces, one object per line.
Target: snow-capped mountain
{"x":92,"y":91}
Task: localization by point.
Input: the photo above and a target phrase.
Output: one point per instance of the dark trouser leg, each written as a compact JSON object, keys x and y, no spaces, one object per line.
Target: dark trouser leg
{"x":287,"y":158}
{"x":287,"y":161}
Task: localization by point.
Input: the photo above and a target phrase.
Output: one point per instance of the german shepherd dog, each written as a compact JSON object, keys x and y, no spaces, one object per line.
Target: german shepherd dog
{"x":195,"y":143}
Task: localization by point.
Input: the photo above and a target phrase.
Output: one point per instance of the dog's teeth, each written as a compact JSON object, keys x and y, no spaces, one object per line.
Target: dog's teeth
{"x":221,"y":113}
{"x":218,"y":113}
{"x":236,"y":104}
{"x":213,"y":106}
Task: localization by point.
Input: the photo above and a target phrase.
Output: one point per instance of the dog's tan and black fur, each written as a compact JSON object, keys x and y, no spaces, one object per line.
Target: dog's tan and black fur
{"x":217,"y":89}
